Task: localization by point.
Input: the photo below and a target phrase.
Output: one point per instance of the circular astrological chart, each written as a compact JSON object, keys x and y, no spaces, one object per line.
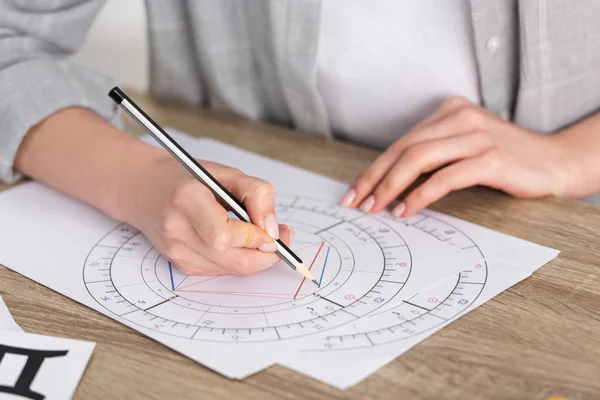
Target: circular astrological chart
{"x":427,"y":310}
{"x":130,"y":279}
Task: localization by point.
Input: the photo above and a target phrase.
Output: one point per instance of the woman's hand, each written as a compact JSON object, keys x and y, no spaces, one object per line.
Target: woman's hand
{"x":468,"y":146}
{"x":188,"y":226}
{"x":78,"y":153}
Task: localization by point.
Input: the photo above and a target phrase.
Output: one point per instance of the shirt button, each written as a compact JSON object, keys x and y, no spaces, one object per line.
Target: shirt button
{"x":492,"y":44}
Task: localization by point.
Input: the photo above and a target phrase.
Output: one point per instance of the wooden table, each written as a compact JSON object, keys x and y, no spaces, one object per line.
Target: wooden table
{"x":540,"y":338}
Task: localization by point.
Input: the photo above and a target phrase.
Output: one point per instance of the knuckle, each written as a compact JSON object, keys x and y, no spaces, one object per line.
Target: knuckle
{"x":419,"y":195}
{"x":364,"y":180}
{"x":181,"y":193}
{"x":219,"y":240}
{"x":481,"y":137}
{"x":427,"y":192}
{"x":495,"y":160}
{"x":169,"y":226}
{"x":257,"y":188}
{"x":262,"y":188}
{"x":234,"y":171}
{"x":265,"y":187}
{"x":439,"y":182}
{"x":172,"y":251}
{"x":364,"y":184}
{"x":388,"y":185}
{"x":455,"y":101}
{"x":468,"y":115}
{"x":416,"y":154}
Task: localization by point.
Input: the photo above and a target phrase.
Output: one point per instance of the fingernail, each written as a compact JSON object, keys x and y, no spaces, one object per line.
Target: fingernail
{"x":398,"y":210}
{"x":348,"y":198}
{"x":291,"y":234}
{"x":367,"y":204}
{"x":268,"y":247}
{"x":271,"y":226}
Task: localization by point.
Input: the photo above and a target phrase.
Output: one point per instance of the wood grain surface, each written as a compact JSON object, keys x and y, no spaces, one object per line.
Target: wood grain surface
{"x":540,"y":338}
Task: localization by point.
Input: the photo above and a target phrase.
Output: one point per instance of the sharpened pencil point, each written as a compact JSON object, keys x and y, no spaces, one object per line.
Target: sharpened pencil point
{"x":316,"y":283}
{"x":301,"y":268}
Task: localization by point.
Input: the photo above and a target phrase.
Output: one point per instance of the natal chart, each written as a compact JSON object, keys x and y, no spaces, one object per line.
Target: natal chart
{"x":128,"y":277}
{"x":428,"y":309}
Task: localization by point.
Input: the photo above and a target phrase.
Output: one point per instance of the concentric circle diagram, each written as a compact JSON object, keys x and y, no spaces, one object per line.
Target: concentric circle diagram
{"x":424,"y":311}
{"x":129,"y":278}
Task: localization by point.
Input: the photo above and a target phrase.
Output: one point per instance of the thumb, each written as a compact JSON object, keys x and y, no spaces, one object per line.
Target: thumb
{"x":250,"y":236}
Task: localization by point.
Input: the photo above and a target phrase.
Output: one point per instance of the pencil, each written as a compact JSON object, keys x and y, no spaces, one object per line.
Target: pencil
{"x":234,"y":205}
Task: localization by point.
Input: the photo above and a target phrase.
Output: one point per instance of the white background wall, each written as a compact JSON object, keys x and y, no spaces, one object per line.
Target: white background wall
{"x":117,"y":43}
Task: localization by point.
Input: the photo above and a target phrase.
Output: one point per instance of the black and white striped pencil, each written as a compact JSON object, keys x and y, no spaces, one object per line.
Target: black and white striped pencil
{"x":235,"y":206}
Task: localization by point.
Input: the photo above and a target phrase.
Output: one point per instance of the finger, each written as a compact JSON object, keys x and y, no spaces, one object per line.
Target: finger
{"x":258,"y":196}
{"x":287,"y":234}
{"x":213,"y":225}
{"x":190,"y":262}
{"x":422,"y":158}
{"x":242,"y":261}
{"x":247,"y":235}
{"x":455,"y":116}
{"x":469,"y":172}
{"x":449,"y":106}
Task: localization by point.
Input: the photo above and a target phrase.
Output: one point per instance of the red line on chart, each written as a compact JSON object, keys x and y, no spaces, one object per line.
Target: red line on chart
{"x":195,"y":283}
{"x":230,"y":292}
{"x":309,"y":268}
{"x":236,"y":294}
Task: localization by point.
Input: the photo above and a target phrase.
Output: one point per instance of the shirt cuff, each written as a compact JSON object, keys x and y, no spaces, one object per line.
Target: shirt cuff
{"x":32,"y":90}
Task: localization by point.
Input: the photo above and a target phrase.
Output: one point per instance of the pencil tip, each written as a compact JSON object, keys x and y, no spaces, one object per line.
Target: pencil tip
{"x":306,"y":273}
{"x":316,"y":283}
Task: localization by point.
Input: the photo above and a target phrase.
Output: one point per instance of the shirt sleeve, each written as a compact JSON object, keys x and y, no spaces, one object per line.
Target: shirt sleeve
{"x":36,"y":78}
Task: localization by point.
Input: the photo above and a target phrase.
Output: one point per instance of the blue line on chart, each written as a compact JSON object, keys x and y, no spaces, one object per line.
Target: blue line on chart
{"x":171,"y":273}
{"x":324,"y":264}
{"x":179,"y":284}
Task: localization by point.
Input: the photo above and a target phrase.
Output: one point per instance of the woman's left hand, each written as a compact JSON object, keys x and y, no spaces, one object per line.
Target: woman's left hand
{"x":468,"y":146}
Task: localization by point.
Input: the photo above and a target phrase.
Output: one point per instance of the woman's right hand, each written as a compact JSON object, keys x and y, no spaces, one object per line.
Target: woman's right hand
{"x":188,"y":226}
{"x":78,"y":153}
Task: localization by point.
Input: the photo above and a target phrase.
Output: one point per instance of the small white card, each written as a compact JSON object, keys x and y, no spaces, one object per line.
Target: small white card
{"x":41,"y":367}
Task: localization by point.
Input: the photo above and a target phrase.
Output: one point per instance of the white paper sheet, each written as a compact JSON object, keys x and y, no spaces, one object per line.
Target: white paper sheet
{"x":35,"y":365}
{"x":6,"y":320}
{"x":496,"y":262}
{"x":236,"y":325}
